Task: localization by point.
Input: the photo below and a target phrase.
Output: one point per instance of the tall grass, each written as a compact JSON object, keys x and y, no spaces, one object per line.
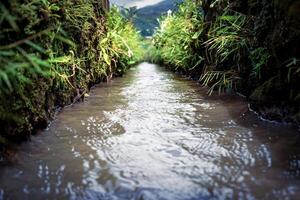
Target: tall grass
{"x":178,"y":36}
{"x":126,"y":42}
{"x":224,"y":44}
{"x":50,"y":50}
{"x":227,"y":37}
{"x":185,"y":45}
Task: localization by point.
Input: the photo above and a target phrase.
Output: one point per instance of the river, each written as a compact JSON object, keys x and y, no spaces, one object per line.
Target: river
{"x":155,"y":135}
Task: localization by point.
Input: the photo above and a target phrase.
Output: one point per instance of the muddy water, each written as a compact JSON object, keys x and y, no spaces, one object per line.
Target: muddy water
{"x":154,"y":135}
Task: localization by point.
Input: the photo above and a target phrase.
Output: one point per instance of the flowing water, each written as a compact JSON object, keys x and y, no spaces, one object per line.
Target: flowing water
{"x":154,"y":135}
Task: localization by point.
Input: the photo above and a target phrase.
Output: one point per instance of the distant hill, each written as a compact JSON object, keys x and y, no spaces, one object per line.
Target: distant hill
{"x":146,"y":18}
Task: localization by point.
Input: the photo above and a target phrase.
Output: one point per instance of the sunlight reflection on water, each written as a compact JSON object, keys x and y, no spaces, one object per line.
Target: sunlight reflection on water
{"x":137,"y":3}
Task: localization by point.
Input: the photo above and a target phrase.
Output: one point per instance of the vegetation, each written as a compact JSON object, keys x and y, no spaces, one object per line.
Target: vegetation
{"x":177,"y":37}
{"x":242,"y":46}
{"x":52,"y":52}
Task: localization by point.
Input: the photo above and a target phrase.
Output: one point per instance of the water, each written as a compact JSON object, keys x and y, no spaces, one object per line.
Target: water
{"x":154,"y":135}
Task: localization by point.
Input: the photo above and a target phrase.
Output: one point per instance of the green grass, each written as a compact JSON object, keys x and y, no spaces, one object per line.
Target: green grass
{"x":50,"y":49}
{"x":227,"y":52}
{"x":177,"y":37}
{"x":181,"y":45}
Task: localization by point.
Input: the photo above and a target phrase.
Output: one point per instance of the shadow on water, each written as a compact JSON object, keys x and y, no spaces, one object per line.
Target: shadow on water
{"x":154,"y":135}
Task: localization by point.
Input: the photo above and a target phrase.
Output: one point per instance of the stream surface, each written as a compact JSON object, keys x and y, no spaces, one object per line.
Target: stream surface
{"x":153,"y":135}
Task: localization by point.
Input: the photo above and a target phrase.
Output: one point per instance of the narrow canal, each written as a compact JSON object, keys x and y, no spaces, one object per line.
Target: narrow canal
{"x":154,"y":135}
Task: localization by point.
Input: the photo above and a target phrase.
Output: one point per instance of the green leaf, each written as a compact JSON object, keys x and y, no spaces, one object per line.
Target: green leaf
{"x":65,"y":40}
{"x":35,"y":46}
{"x":196,"y":35}
{"x":62,"y":59}
{"x":10,"y":19}
{"x":105,"y":56}
{"x":7,"y":53}
{"x":5,"y":78}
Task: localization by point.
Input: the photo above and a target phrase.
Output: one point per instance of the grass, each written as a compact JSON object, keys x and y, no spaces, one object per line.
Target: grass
{"x":229,"y":52}
{"x":51,"y":49}
{"x":175,"y":39}
{"x":184,"y":45}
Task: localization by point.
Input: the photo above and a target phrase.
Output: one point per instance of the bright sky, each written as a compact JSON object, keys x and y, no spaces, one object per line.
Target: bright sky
{"x":138,"y":3}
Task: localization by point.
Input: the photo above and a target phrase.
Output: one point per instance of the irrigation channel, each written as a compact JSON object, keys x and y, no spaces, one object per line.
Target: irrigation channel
{"x":155,"y":135}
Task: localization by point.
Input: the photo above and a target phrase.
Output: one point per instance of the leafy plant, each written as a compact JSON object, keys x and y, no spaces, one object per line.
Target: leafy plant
{"x":50,"y":50}
{"x":176,"y":40}
{"x":124,"y":40}
{"x":259,"y":58}
{"x":180,"y":40}
{"x":220,"y":80}
{"x":226,"y":38}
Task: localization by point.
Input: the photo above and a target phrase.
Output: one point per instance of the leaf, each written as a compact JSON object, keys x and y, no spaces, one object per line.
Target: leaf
{"x":196,"y":35}
{"x":62,"y":59}
{"x":9,"y":18}
{"x":35,"y":46}
{"x":131,"y":62}
{"x":65,"y":40}
{"x":104,"y":41}
{"x":5,"y":78}
{"x":105,"y":56}
{"x":7,"y":53}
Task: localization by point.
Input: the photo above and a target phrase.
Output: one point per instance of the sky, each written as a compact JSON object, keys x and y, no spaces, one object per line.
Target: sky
{"x":138,"y":3}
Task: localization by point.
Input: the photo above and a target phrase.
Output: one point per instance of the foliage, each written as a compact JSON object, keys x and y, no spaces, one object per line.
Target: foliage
{"x":180,"y":39}
{"x":50,"y":50}
{"x":235,"y":45}
{"x":222,"y":80}
{"x":177,"y":37}
{"x":259,"y":58}
{"x":125,"y":41}
{"x":293,"y":65}
{"x":226,"y":38}
{"x":226,"y":43}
